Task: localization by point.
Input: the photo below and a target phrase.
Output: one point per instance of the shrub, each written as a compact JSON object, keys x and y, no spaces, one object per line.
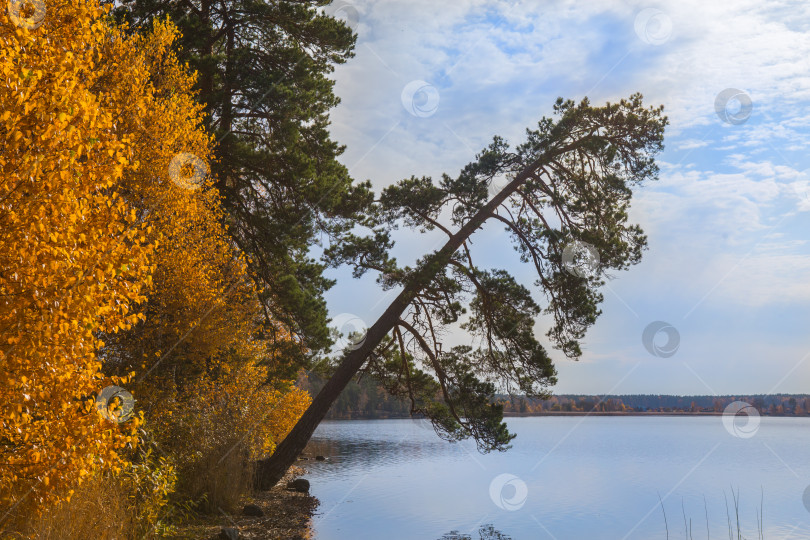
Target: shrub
{"x":130,"y":504}
{"x":218,"y":426}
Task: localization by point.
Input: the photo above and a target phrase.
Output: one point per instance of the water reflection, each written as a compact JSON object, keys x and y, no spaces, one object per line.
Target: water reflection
{"x":487,"y":532}
{"x":372,"y":449}
{"x":603,"y":474}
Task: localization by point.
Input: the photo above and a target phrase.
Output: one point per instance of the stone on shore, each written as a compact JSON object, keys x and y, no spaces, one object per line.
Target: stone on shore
{"x":252,"y":510}
{"x":300,"y":485}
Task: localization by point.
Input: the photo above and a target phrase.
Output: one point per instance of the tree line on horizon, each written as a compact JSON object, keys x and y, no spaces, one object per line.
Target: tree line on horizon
{"x":364,"y":398}
{"x":766,"y":404}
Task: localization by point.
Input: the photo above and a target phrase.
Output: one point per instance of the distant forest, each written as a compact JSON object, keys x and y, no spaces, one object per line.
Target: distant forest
{"x":365,"y":398}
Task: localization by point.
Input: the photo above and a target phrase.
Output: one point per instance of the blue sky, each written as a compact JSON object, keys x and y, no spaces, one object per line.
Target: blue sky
{"x":728,"y":222}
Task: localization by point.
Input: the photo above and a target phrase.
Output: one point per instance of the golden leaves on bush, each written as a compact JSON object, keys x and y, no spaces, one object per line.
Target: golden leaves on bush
{"x":112,"y":255}
{"x":77,"y":255}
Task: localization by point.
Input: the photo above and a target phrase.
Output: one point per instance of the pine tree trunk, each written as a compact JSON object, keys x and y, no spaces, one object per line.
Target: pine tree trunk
{"x":269,"y":471}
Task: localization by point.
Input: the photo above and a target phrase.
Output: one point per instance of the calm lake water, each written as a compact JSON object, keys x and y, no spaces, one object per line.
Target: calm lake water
{"x":565,"y":478}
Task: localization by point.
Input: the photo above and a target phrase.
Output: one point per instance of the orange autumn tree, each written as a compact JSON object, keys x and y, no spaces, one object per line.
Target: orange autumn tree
{"x":94,"y":202}
{"x":73,"y":258}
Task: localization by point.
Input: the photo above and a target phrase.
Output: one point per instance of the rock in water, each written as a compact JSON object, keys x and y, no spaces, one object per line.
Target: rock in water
{"x":320,"y":458}
{"x":228,"y":533}
{"x":299,"y":484}
{"x":252,"y":510}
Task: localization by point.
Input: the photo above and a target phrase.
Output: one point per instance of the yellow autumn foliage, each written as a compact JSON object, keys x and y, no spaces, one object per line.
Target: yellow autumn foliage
{"x":202,"y":300}
{"x":72,"y":252}
{"x":114,"y":259}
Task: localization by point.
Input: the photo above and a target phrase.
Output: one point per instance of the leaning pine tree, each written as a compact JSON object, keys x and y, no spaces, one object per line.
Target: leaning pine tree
{"x":569,"y":184}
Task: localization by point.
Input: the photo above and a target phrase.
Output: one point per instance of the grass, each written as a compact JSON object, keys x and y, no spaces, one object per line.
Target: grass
{"x":734,"y":529}
{"x":99,"y":508}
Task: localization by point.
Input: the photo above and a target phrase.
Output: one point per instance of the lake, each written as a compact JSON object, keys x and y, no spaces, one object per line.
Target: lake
{"x":586,"y":477}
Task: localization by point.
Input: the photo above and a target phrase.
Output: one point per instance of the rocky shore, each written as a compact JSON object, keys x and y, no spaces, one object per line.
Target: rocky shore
{"x":279,"y":513}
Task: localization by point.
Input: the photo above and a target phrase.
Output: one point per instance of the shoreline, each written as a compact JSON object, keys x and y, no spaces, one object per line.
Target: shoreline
{"x":287,"y":514}
{"x":576,"y":413}
{"x":613,"y":413}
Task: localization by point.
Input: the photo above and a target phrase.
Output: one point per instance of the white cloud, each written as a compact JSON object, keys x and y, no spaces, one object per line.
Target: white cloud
{"x":499,"y":66}
{"x":691,"y":144}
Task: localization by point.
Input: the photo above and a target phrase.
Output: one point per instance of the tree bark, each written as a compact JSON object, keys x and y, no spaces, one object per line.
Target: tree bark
{"x":269,"y":471}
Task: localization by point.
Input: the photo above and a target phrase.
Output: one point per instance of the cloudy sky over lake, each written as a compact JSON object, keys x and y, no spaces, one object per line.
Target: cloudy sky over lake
{"x":728,"y":265}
